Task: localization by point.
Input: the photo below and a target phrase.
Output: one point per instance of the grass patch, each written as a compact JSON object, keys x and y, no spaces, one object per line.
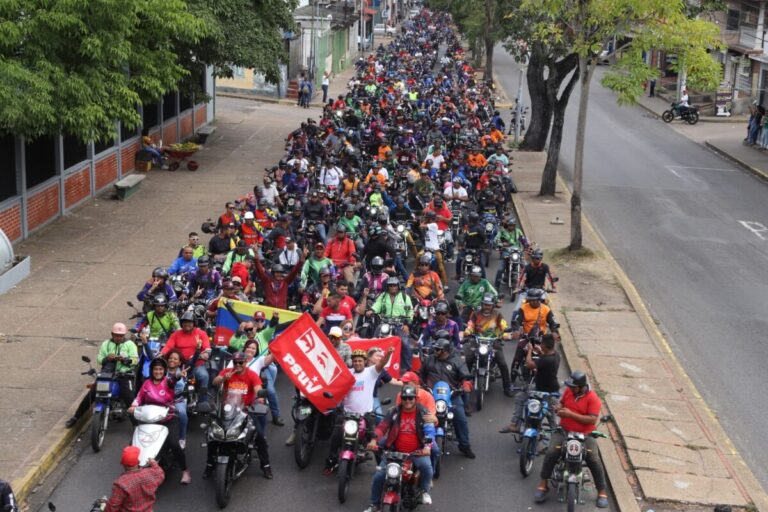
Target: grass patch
{"x":564,"y":255}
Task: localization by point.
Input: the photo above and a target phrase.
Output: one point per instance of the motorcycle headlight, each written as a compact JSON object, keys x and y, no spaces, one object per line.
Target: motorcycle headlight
{"x":483,"y":350}
{"x":350,"y":427}
{"x":468,"y":258}
{"x":393,"y":471}
{"x":385,"y":328}
{"x":489,"y":226}
{"x":400,"y":228}
{"x":216,"y":431}
{"x":534,"y":406}
{"x":102,"y":386}
{"x":573,"y":448}
{"x":450,"y":415}
{"x":515,"y":256}
{"x":441,"y":406}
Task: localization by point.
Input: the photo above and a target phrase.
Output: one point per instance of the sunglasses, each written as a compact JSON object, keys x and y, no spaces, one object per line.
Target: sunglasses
{"x":239,"y":363}
{"x":408,"y":398}
{"x":441,"y":313}
{"x":248,"y":329}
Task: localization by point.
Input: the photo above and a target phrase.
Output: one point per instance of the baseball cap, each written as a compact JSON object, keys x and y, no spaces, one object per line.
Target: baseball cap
{"x":319,"y":244}
{"x":237,"y":279}
{"x":335,"y":331}
{"x":248,"y":215}
{"x":130,"y":456}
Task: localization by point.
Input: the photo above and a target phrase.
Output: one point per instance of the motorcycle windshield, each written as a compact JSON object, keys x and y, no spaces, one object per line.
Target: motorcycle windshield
{"x":232,"y":410}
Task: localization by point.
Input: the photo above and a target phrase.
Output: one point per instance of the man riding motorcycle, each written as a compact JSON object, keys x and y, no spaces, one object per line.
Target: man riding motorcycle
{"x":535,"y":273}
{"x":374,"y":280}
{"x":203,"y":283}
{"x":159,"y":321}
{"x":194,"y":346}
{"x":470,"y":295}
{"x":441,"y":327}
{"x":489,"y":323}
{"x":474,"y":238}
{"x":396,"y":304}
{"x":423,"y":282}
{"x":158,"y":284}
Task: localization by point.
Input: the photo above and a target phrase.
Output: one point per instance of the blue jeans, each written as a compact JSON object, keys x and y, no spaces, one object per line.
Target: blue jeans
{"x":460,"y":423}
{"x":423,"y":464}
{"x":434,"y":454}
{"x":201,"y":374}
{"x":270,"y":375}
{"x":406,"y":354}
{"x":322,"y":233}
{"x":181,"y":410}
{"x":400,"y":267}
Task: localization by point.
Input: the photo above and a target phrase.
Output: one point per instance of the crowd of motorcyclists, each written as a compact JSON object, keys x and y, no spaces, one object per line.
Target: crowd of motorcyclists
{"x":407,"y":170}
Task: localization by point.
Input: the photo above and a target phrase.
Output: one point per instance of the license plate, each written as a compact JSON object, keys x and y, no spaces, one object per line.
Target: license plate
{"x":222,"y":459}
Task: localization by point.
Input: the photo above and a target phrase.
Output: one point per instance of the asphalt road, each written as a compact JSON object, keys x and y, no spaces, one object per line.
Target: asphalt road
{"x":688,"y":228}
{"x":490,"y":482}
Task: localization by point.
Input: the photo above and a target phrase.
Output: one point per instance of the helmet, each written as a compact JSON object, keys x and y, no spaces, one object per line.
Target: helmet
{"x":489,"y":299}
{"x":119,"y":328}
{"x":203,"y":260}
{"x":511,"y":220}
{"x":278,"y":269}
{"x":473,"y":217}
{"x":377,"y":264}
{"x":188,"y":316}
{"x":238,"y":357}
{"x":160,"y":272}
{"x":383,"y":219}
{"x":335,"y":332}
{"x":442,"y":334}
{"x":577,"y":379}
{"x":425,"y":259}
{"x":325,"y":271}
{"x":442,"y":344}
{"x":441,"y":307}
{"x":359,"y":353}
{"x":476,"y":271}
{"x":410,"y":377}
{"x":537,"y":254}
{"x":393,"y":281}
{"x":159,"y":361}
{"x":534,"y":294}
{"x":249,"y":215}
{"x":160,"y":300}
{"x":409,"y":391}
{"x":341,"y":228}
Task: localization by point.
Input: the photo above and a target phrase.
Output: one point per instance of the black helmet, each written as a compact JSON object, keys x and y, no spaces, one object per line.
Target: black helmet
{"x":160,"y":300}
{"x":159,"y":361}
{"x":188,"y":316}
{"x":278,"y":269}
{"x":442,"y":334}
{"x":377,"y":264}
{"x":160,"y":272}
{"x":534,"y":294}
{"x":473,"y":217}
{"x":393,"y":281}
{"x":203,"y":260}
{"x":577,"y":379}
{"x":537,"y":254}
{"x":382,"y":218}
{"x":441,"y":307}
{"x":425,"y":259}
{"x":442,"y":344}
{"x":409,"y":391}
{"x":476,"y":271}
{"x":488,"y":299}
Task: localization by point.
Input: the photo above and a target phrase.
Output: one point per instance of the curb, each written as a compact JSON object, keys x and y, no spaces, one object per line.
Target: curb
{"x":757,"y":173}
{"x":615,"y":473}
{"x":739,"y":470}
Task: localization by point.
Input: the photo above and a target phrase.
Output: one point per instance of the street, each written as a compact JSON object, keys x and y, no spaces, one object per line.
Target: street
{"x":490,"y":482}
{"x":689,"y":229}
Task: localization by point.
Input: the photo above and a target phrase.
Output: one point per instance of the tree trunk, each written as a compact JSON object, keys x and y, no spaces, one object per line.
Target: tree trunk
{"x":490,"y":43}
{"x":587,"y":68}
{"x":541,"y":109}
{"x":549,"y":176}
{"x":489,"y":37}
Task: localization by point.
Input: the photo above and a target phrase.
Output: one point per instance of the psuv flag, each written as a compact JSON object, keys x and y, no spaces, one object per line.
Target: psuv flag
{"x":232,"y":312}
{"x":312,"y":363}
{"x":393,"y":366}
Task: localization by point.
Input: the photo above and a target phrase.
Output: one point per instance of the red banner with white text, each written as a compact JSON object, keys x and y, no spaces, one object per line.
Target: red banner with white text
{"x":312,"y":363}
{"x":393,"y":366}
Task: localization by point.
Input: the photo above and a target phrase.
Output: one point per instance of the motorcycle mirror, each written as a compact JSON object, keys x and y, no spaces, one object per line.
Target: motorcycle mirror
{"x":85,"y":359}
{"x":386,"y":401}
{"x":327,"y":394}
{"x":606,"y":418}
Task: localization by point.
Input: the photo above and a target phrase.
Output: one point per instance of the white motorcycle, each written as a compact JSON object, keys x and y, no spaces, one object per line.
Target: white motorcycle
{"x":150,"y":435}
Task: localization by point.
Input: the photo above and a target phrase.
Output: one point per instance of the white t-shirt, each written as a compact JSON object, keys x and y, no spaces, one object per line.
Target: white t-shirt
{"x":256,"y":364}
{"x":461,"y":193}
{"x":288,"y":257}
{"x":331,"y":177}
{"x":437,"y":161}
{"x":430,"y":237}
{"x":359,"y":400}
{"x":269,"y":194}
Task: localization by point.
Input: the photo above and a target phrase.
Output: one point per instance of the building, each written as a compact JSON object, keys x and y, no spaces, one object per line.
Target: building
{"x":43,"y":179}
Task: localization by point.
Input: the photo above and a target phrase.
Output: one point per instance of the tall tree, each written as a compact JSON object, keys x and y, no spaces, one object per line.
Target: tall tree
{"x":77,"y":66}
{"x":586,"y":26}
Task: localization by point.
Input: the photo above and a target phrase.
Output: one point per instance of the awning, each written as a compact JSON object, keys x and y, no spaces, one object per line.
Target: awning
{"x":760,"y":58}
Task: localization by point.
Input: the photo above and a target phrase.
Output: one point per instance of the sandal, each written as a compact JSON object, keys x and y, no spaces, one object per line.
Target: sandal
{"x":540,"y":495}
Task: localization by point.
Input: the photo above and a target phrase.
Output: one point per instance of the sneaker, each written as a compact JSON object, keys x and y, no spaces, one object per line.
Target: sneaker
{"x":467,"y":451}
{"x":267,"y":470}
{"x":372,"y":508}
{"x":540,"y":496}
{"x":278,"y":421}
{"x":186,"y":478}
{"x":208,"y":473}
{"x":602,"y":501}
{"x":426,"y":499}
{"x":291,"y":439}
{"x":183,"y":443}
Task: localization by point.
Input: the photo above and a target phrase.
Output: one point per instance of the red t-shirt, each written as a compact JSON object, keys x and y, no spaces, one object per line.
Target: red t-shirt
{"x":336,"y":317}
{"x":241,"y":384}
{"x":408,"y":438}
{"x":348,"y":300}
{"x":586,"y":404}
{"x":187,"y":343}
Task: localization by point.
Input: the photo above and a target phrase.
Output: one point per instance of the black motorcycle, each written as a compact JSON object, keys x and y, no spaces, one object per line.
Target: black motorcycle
{"x":485,"y":369}
{"x":471,"y":258}
{"x":689,"y":114}
{"x":311,"y":426}
{"x":511,"y":261}
{"x":230,"y":436}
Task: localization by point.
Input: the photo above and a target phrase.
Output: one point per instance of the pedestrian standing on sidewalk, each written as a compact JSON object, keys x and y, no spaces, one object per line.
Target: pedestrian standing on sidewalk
{"x":751,"y":122}
{"x":302,"y":79}
{"x":764,"y":133}
{"x":134,"y":490}
{"x":326,"y":83}
{"x":757,"y":124}
{"x":652,"y":88}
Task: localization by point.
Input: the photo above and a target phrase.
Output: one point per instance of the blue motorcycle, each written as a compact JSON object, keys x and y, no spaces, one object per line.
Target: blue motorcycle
{"x":444,"y":431}
{"x":535,"y":411}
{"x":107,"y":403}
{"x":491,"y":226}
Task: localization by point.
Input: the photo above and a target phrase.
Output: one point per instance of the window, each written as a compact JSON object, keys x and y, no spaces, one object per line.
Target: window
{"x":8,"y":185}
{"x":101,"y":146}
{"x":75,"y":151}
{"x":151,"y":114}
{"x":749,"y":15}
{"x":40,"y":160}
{"x":732,"y":21}
{"x":169,"y":105}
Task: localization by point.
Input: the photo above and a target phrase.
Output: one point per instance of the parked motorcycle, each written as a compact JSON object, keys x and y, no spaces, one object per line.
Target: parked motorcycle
{"x":107,"y":404}
{"x":230,"y":436}
{"x":689,"y":114}
{"x":535,"y":411}
{"x":311,"y":425}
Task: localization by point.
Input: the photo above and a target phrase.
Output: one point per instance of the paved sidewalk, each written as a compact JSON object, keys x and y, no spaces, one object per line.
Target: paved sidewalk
{"x":677,"y":449}
{"x":86,"y":265}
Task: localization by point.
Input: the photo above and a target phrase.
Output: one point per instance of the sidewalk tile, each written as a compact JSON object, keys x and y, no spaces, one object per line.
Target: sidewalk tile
{"x":679,"y":433}
{"x":689,"y":488}
{"x":666,"y":458}
{"x":644,"y":368}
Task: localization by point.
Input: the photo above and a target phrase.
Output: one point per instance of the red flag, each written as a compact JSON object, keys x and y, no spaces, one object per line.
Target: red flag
{"x":312,"y":363}
{"x":393,"y":366}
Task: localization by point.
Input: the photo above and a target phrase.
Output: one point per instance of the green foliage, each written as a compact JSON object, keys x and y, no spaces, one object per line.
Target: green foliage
{"x":76,"y":66}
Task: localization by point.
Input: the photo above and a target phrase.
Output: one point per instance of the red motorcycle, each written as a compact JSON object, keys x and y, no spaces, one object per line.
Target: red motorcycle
{"x":401,"y":487}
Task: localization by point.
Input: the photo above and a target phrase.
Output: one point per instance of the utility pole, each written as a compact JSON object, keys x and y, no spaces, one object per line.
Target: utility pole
{"x":519,"y":99}
{"x":313,"y":44}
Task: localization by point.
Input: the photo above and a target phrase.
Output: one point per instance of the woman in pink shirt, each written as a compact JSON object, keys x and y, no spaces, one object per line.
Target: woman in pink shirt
{"x":158,"y":390}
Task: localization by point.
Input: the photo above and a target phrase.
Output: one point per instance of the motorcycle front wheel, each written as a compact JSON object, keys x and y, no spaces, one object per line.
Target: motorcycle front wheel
{"x":572,"y":496}
{"x":480,"y":398}
{"x":98,"y":430}
{"x":667,"y":116}
{"x":304,"y":445}
{"x":223,"y":484}
{"x":693,"y":118}
{"x":527,"y":454}
{"x":345,"y":478}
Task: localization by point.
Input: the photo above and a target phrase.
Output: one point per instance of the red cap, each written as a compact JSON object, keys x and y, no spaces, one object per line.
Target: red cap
{"x":410,"y":377}
{"x":259,"y":315}
{"x":130,"y":456}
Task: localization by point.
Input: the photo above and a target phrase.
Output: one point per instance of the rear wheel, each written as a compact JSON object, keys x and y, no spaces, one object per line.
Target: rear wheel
{"x":527,"y":452}
{"x":304,"y":445}
{"x":391,"y":507}
{"x":98,"y":429}
{"x":667,"y":116}
{"x":572,"y":496}
{"x":693,"y":118}
{"x":223,"y":484}
{"x":345,"y":477}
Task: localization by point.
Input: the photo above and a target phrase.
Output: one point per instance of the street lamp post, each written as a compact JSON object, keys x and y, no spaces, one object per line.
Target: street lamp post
{"x":519,"y":99}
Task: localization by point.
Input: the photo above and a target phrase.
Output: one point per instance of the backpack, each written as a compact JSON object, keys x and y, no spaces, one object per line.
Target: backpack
{"x":304,"y":88}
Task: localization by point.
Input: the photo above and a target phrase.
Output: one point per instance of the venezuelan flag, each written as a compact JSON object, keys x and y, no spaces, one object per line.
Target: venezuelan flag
{"x":232,"y":312}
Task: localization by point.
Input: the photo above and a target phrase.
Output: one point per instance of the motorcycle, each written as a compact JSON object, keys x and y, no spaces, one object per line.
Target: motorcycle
{"x":401,"y":228}
{"x":352,"y":451}
{"x":688,"y":114}
{"x":491,"y":225}
{"x":535,"y":410}
{"x":401,"y":489}
{"x":456,"y":211}
{"x":311,"y":425}
{"x":511,"y":257}
{"x":444,"y":431}
{"x":485,"y":370}
{"x":107,"y":404}
{"x":150,"y":435}
{"x":471,"y":258}
{"x":568,"y":475}
{"x":230,"y":435}
{"x":421,"y":316}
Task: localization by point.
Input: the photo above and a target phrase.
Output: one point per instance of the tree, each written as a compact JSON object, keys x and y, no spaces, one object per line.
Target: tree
{"x":78,"y":66}
{"x":586,"y":26}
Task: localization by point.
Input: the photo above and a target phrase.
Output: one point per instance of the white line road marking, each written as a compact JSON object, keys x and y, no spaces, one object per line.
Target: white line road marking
{"x":703,"y":168}
{"x":757,"y":229}
{"x":673,"y":171}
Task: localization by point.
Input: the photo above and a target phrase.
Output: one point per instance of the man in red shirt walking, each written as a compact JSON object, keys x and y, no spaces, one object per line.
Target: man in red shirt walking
{"x":134,"y":490}
{"x":579,"y":410}
{"x":194,"y":345}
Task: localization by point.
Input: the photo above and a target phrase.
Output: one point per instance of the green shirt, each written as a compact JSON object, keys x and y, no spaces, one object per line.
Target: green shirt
{"x":263,"y":337}
{"x":388,"y":307}
{"x":351,"y":225}
{"x":162,"y":326}
{"x":311,"y":269}
{"x":509,"y":237}
{"x":125,"y":349}
{"x":472,"y":294}
{"x":234,"y":257}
